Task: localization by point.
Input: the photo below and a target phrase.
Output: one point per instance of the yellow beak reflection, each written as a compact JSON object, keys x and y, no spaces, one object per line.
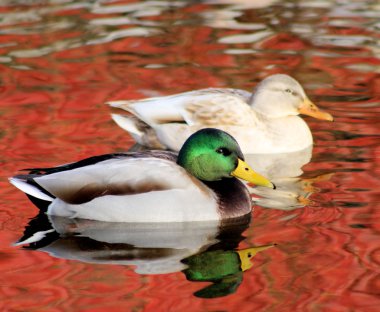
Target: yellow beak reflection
{"x":246,"y":256}
{"x":310,"y":109}
{"x":245,"y":172}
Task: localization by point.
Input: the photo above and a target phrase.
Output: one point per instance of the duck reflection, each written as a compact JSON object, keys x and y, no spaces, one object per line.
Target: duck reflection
{"x":285,"y":171}
{"x":280,"y":166}
{"x":224,"y":268}
{"x":204,"y":251}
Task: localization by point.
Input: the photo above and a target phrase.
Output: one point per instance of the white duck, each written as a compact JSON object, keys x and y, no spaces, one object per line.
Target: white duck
{"x":264,"y":122}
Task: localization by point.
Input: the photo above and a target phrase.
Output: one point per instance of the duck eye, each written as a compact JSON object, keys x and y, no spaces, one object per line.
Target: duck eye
{"x":224,"y":151}
{"x":288,"y":91}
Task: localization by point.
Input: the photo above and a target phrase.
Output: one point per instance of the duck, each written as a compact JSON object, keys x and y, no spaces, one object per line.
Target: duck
{"x":200,"y":183}
{"x":266,"y":121}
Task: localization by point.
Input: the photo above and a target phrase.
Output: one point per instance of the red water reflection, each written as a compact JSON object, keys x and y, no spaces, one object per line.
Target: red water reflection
{"x":327,"y":257}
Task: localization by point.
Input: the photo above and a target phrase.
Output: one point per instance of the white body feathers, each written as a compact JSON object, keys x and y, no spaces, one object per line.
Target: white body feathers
{"x":263,"y":123}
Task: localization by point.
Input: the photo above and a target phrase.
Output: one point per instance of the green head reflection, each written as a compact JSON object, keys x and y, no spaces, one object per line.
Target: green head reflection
{"x":223,"y":268}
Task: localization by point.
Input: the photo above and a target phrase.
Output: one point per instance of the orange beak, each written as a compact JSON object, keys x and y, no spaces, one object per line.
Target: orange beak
{"x":310,"y":109}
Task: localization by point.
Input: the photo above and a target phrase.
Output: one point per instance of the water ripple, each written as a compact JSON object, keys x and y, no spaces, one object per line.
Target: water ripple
{"x":62,"y":59}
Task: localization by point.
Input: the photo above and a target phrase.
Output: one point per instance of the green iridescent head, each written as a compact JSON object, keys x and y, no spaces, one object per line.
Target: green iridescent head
{"x":211,"y":154}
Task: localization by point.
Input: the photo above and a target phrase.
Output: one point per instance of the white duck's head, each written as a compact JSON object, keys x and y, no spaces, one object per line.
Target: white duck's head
{"x":281,"y":95}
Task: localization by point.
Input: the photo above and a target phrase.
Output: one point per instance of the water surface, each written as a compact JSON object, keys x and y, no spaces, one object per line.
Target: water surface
{"x":61,"y":60}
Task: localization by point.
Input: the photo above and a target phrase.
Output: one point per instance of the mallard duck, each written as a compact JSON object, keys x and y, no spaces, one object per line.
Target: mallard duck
{"x":264,"y":122}
{"x":153,"y":186}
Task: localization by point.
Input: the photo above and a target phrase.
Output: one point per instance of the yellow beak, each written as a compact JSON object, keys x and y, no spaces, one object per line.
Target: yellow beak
{"x":245,"y":172}
{"x":310,"y":109}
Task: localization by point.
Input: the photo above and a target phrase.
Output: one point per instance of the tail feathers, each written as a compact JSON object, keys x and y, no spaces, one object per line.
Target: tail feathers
{"x":121,"y":104}
{"x":156,"y":110}
{"x":30,"y":189}
{"x":127,"y":123}
{"x":141,"y":132}
{"x":126,"y":104}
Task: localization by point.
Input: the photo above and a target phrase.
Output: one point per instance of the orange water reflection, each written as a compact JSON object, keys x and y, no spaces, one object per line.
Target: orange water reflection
{"x":61,"y":61}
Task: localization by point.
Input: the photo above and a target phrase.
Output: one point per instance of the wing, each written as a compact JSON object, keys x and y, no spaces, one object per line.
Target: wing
{"x":118,"y":176}
{"x":219,"y":110}
{"x":208,"y":106}
{"x":95,"y":176}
